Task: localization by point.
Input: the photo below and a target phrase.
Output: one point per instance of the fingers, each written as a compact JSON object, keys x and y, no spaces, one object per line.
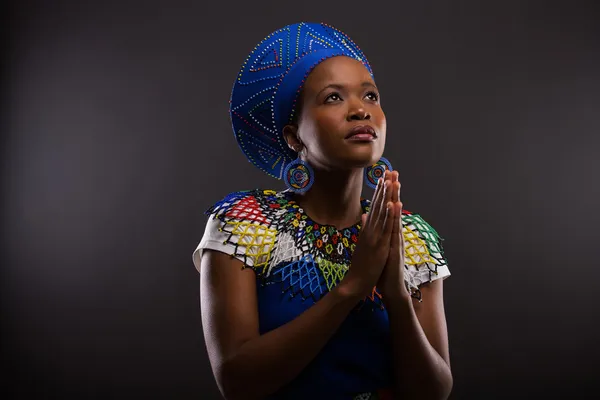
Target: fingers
{"x":375,"y":203}
{"x":396,"y":227}
{"x":399,"y":186}
{"x":389,"y":187}
{"x":400,"y":235}
{"x":387,"y":191}
{"x":396,"y":192}
{"x":387,"y":197}
{"x":391,"y":229}
{"x":388,"y":223}
{"x":377,"y":207}
{"x":396,"y":188}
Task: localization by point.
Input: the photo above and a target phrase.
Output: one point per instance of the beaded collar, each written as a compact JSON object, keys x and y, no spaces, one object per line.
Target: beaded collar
{"x":282,"y":244}
{"x":274,"y":236}
{"x":336,"y":245}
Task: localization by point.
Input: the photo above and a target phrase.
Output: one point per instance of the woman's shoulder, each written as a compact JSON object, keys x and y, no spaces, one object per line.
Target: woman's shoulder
{"x":257,"y":205}
{"x":415,"y":222}
{"x":242,"y":224}
{"x":420,"y":233}
{"x":424,"y":251}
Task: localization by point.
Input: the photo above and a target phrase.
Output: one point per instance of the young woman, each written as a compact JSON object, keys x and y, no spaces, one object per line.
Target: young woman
{"x":314,"y":291}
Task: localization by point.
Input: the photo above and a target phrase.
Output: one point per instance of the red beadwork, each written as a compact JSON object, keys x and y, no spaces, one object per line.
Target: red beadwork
{"x":247,"y":208}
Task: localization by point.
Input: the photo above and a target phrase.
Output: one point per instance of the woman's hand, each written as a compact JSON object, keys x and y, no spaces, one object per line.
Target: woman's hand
{"x":391,"y":281}
{"x":373,"y":246}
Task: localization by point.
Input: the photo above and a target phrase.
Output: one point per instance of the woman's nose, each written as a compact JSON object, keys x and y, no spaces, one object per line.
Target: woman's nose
{"x":358,"y":113}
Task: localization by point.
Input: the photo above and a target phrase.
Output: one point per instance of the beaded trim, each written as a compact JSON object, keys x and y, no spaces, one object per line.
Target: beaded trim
{"x":273,"y":235}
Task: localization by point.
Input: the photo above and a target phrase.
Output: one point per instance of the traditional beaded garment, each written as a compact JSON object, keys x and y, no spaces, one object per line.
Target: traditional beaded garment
{"x":297,"y":261}
{"x":273,"y":235}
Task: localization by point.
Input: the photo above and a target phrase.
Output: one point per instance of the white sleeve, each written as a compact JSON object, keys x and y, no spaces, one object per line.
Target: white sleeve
{"x":215,"y":238}
{"x":425,"y":261}
{"x":419,"y":274}
{"x":248,"y":241}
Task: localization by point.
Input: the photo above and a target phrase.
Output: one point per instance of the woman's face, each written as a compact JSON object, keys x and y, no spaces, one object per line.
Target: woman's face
{"x":341,"y":123}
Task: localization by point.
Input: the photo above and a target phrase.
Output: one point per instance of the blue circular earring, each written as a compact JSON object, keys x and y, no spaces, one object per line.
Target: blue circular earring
{"x":376,"y":171}
{"x":298,"y":176}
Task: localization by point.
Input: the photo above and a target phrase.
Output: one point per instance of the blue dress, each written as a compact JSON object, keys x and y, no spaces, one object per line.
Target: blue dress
{"x":297,"y":261}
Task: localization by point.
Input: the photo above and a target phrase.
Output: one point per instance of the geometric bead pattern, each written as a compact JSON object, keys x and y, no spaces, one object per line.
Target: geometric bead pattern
{"x":415,"y":223}
{"x":301,"y":277}
{"x":275,"y":237}
{"x":415,"y":248}
{"x":257,"y":241}
{"x":333,"y":273}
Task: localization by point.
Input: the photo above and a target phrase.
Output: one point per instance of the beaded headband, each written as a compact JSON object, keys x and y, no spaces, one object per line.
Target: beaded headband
{"x":264,"y":95}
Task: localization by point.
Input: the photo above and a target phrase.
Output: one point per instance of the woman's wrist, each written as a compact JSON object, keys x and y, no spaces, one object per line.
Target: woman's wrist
{"x":394,"y":288}
{"x":395,"y":296}
{"x":350,"y":289}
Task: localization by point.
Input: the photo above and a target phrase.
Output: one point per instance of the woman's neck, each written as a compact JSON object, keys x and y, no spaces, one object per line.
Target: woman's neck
{"x":334,"y":198}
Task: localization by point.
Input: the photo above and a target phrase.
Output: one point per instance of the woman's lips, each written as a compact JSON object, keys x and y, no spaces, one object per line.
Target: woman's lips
{"x":362,"y":133}
{"x":362,"y":137}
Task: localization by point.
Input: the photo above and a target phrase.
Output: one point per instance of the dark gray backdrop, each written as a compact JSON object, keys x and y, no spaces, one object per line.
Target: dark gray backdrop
{"x":117,"y":138}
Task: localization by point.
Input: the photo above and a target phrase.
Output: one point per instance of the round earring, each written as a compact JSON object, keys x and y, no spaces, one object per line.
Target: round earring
{"x":298,"y":176}
{"x":376,"y":171}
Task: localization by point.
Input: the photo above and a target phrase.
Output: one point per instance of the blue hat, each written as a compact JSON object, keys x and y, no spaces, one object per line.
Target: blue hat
{"x":264,"y":95}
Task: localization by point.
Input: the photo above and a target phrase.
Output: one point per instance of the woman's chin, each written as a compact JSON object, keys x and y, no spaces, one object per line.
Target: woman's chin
{"x":365,"y":156}
{"x":362,"y":160}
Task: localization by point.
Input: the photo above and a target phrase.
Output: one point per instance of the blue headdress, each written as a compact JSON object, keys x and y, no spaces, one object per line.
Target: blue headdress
{"x":264,"y":95}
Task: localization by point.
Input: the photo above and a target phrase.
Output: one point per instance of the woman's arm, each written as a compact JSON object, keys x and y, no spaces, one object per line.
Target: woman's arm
{"x":418,"y":330}
{"x":248,"y":365}
{"x":420,"y":344}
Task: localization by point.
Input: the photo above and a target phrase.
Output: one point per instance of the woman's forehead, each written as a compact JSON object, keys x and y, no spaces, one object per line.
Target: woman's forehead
{"x":344,"y":71}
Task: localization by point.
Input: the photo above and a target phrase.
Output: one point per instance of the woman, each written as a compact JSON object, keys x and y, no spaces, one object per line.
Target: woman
{"x":294,"y":304}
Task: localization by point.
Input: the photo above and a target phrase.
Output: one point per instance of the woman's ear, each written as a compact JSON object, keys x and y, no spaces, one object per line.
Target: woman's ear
{"x":290,"y":134}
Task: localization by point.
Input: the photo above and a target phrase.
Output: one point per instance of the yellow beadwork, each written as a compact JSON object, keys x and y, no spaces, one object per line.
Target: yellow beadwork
{"x":258,"y":241}
{"x":415,"y":248}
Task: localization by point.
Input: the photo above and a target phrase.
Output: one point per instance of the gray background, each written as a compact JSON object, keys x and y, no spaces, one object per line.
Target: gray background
{"x":116,"y":138}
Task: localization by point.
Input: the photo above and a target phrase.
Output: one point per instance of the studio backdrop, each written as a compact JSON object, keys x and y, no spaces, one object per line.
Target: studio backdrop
{"x":116,"y":138}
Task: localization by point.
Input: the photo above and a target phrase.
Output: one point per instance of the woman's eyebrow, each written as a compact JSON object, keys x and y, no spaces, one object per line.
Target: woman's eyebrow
{"x":331,"y":85}
{"x":340,"y":87}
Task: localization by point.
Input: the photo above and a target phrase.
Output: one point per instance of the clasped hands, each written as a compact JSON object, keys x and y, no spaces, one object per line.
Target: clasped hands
{"x":391,"y":280}
{"x":378,"y":259}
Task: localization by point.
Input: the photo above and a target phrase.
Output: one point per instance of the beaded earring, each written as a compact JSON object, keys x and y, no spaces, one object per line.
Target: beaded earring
{"x":298,"y":175}
{"x":376,"y":171}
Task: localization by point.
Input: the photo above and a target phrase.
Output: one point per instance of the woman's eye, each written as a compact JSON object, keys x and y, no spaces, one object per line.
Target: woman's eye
{"x":372,"y":96}
{"x":332,"y":97}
